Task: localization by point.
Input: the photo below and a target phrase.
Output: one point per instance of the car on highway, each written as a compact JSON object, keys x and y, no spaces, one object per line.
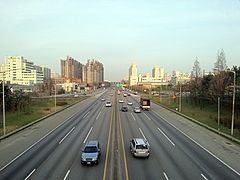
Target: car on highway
{"x":120,"y":101}
{"x":91,"y":153}
{"x":140,"y":147}
{"x":76,"y":95}
{"x":102,"y":99}
{"x":129,"y":103}
{"x":108,"y":104}
{"x":137,"y":109}
{"x":125,"y":95}
{"x":124,"y":108}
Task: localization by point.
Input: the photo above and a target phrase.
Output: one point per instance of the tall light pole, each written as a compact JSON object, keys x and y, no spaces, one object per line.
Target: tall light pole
{"x":233,"y":102}
{"x":4,"y":119}
{"x":180,"y":98}
{"x":3,"y":92}
{"x":55,"y":96}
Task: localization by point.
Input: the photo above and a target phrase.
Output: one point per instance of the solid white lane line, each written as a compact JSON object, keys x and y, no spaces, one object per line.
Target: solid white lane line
{"x":35,"y":144}
{"x":204,"y":177}
{"x":87,"y":135}
{"x":30,"y":174}
{"x":86,"y":114}
{"x":147,"y":116}
{"x":98,"y":115}
{"x":66,"y":135}
{"x":133,"y":117}
{"x":142,"y":133}
{"x":199,"y":144}
{"x":166,"y":137}
{"x":165,"y":175}
{"x":65,"y":177}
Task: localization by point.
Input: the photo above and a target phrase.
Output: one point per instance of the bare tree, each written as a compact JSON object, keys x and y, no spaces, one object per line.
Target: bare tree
{"x":196,"y":71}
{"x":220,"y":64}
{"x":218,"y":85}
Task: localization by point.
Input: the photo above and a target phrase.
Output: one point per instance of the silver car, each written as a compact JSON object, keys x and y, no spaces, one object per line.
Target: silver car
{"x":140,"y":147}
{"x":137,"y":109}
{"x":108,"y":104}
{"x":91,"y":153}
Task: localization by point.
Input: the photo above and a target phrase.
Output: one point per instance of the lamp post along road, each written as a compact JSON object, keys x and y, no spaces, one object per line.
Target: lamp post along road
{"x":55,"y":96}
{"x":233,"y":102}
{"x":4,"y":119}
{"x":3,"y":92}
{"x":180,"y":98}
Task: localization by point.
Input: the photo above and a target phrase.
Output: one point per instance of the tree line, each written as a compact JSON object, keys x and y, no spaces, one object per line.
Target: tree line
{"x":14,"y":101}
{"x":208,"y":87}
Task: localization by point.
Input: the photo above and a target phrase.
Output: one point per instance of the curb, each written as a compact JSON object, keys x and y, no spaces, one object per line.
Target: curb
{"x":202,"y":124}
{"x":36,"y":121}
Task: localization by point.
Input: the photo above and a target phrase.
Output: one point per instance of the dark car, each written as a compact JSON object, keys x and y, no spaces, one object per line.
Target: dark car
{"x":91,"y":153}
{"x":124,"y":108}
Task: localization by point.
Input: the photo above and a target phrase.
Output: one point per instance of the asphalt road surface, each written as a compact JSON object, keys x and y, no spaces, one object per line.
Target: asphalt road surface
{"x":52,"y":148}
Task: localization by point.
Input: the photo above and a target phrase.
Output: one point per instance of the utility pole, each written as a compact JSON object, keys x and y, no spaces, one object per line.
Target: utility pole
{"x":233,"y":102}
{"x":180,"y":98}
{"x":4,"y":117}
{"x":218,"y":112}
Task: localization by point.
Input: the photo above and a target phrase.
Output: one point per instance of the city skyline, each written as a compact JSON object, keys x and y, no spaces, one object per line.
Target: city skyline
{"x":170,"y":34}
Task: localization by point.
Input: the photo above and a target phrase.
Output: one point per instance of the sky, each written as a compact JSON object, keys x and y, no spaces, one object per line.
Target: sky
{"x":168,"y":33}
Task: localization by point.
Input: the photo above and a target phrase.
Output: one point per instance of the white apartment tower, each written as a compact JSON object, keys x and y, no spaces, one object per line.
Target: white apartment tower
{"x":18,"y":70}
{"x":133,"y":75}
{"x":156,"y":72}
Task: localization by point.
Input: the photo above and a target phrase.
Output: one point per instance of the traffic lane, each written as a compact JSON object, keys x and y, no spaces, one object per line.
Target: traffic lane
{"x":98,"y":132}
{"x":14,"y":145}
{"x":17,"y":143}
{"x":138,"y":168}
{"x":68,"y":148}
{"x":222,"y":147}
{"x":164,"y":151}
{"x":209,"y":165}
{"x":35,"y":155}
{"x":173,"y":161}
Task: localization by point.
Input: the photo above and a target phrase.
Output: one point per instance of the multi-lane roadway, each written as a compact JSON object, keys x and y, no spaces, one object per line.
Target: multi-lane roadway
{"x":56,"y":153}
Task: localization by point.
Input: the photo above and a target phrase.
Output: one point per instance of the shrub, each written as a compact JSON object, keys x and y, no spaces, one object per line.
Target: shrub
{"x":61,"y":103}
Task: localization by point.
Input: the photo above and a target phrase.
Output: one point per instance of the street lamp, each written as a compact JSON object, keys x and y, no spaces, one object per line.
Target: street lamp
{"x":4,"y":119}
{"x":55,"y":98}
{"x":233,"y":102}
{"x":3,"y":91}
{"x":180,"y":98}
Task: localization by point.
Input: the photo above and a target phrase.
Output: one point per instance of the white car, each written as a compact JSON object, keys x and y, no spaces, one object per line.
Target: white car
{"x":130,"y":103}
{"x":137,"y":109}
{"x":108,"y":104}
{"x":120,"y":101}
{"x":102,"y":99}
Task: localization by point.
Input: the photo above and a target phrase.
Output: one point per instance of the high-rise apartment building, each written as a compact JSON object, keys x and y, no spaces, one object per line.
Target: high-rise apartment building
{"x":71,"y":69}
{"x":18,"y":70}
{"x":133,"y":75}
{"x":94,"y":72}
{"x":46,"y":72}
{"x":156,"y":72}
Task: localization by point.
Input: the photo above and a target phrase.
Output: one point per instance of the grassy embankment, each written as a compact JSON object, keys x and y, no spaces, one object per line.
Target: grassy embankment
{"x":37,"y":108}
{"x":204,"y":113}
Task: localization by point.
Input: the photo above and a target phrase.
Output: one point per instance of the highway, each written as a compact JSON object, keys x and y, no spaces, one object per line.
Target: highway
{"x":57,"y":153}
